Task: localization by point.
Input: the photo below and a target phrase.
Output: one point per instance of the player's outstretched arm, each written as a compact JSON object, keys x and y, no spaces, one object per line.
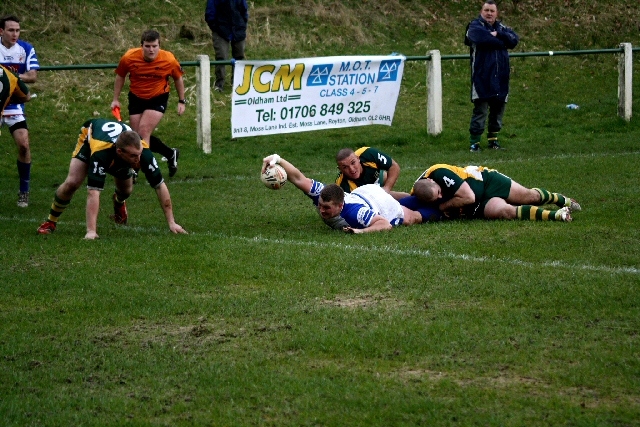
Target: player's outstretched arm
{"x":294,"y":176}
{"x":165,"y":202}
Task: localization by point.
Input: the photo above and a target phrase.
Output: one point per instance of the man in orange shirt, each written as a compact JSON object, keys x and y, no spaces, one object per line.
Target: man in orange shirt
{"x":149,"y":69}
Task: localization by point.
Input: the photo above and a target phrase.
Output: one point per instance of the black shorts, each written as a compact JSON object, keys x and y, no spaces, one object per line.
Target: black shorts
{"x":19,"y":125}
{"x":138,"y":105}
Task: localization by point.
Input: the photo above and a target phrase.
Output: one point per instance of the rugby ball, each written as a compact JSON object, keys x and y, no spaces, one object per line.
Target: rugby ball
{"x":274,"y":177}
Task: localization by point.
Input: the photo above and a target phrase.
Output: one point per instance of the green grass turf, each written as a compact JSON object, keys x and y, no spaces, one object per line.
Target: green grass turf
{"x":262,"y":315}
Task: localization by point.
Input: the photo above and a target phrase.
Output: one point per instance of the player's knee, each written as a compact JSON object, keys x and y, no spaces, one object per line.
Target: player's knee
{"x":501,"y":211}
{"x":23,"y":149}
{"x":507,"y":212}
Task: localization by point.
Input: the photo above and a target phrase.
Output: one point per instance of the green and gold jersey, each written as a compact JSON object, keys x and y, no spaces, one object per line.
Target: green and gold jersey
{"x":374,"y":164}
{"x":12,"y":89}
{"x":96,"y":147}
{"x":450,"y":178}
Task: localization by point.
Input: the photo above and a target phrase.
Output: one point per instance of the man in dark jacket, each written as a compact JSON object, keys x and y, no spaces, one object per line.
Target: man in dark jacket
{"x":227,"y":20}
{"x":489,"y":40}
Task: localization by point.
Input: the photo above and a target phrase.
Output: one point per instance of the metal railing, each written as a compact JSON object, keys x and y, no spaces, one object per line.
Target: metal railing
{"x":434,"y":83}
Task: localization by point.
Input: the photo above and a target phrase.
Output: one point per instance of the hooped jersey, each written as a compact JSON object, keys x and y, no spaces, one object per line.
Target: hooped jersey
{"x":374,"y":165}
{"x":11,"y":88}
{"x":368,"y":201}
{"x":361,"y":206}
{"x":100,"y":136}
{"x":450,"y":178}
{"x":149,"y":79}
{"x":19,"y":58}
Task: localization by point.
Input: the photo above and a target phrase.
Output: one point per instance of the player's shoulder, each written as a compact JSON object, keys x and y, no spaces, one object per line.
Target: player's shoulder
{"x":316,"y":188}
{"x":373,"y":154}
{"x":440,"y":167}
{"x":132,"y":53}
{"x":25,"y":45}
{"x":166,"y":55}
{"x":356,"y":213}
{"x":361,"y":150}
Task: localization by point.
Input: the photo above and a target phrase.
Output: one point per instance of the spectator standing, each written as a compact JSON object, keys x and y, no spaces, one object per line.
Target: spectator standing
{"x":149,"y":69}
{"x":227,"y":20}
{"x":19,"y":57}
{"x":488,"y":40}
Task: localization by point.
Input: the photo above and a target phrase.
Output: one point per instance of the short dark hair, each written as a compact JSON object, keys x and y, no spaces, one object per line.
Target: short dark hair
{"x":128,"y":138}
{"x":490,"y":2}
{"x":149,"y":36}
{"x":343,"y":154}
{"x":425,"y":190}
{"x":332,"y":193}
{"x":6,"y":18}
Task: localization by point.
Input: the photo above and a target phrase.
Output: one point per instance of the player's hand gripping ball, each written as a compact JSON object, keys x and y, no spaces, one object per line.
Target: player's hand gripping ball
{"x":274,"y":177}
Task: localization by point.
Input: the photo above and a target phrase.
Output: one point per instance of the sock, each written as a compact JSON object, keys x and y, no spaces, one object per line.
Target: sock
{"x":57,"y":207}
{"x":24,"y":171}
{"x":119,"y":198}
{"x":492,"y":137}
{"x":157,"y":146}
{"x":534,"y":213}
{"x":547,"y":197}
{"x":474,"y":139}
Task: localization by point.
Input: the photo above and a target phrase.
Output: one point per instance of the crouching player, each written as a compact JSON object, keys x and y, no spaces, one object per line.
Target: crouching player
{"x":108,"y":147}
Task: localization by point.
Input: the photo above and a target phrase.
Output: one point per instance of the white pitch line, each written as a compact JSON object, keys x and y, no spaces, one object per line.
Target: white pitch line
{"x":378,"y":249}
{"x":442,"y":255}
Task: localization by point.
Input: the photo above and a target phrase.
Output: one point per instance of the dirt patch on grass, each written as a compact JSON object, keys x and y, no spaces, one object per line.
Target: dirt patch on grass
{"x":202,"y":333}
{"x":363,"y":301}
{"x":582,"y":396}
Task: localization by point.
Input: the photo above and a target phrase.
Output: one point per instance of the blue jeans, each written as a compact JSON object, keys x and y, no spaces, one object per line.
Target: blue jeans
{"x":492,"y":107}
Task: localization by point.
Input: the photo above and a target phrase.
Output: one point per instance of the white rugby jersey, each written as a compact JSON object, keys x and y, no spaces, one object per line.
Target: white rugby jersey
{"x":367,"y":201}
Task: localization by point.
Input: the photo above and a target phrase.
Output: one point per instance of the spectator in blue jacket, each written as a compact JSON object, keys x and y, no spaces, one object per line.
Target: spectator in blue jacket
{"x":489,"y":40}
{"x":227,"y":20}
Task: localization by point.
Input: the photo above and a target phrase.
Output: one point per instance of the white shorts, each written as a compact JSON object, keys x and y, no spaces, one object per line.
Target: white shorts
{"x":12,"y":119}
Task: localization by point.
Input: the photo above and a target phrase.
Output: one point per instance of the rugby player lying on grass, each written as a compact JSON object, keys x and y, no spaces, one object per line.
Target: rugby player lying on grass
{"x":480,"y":192}
{"x":367,"y":208}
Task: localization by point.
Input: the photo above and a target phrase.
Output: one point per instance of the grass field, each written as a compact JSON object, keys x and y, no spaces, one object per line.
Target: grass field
{"x":264,"y":316}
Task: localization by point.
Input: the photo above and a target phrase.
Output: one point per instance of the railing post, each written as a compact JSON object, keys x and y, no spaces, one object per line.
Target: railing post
{"x":625,"y":81}
{"x":203,"y":101}
{"x":434,"y":93}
